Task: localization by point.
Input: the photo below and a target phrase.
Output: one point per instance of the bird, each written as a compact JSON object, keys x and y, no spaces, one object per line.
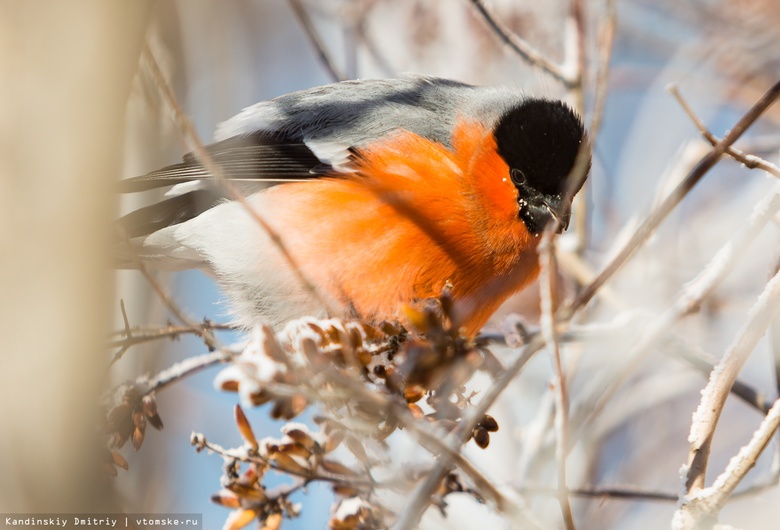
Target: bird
{"x":377,"y":194}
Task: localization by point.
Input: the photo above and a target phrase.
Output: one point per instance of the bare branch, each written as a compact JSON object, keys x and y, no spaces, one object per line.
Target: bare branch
{"x":527,"y":52}
{"x":749,"y":161}
{"x":139,"y":335}
{"x":628,"y":493}
{"x":319,"y":46}
{"x":185,"y":368}
{"x":549,"y":270}
{"x":606,"y":45}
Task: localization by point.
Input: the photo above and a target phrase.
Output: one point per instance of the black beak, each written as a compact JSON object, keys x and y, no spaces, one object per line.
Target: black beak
{"x":538,"y":211}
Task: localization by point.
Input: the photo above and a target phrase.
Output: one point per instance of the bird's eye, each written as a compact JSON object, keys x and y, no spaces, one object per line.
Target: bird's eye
{"x":517,"y":176}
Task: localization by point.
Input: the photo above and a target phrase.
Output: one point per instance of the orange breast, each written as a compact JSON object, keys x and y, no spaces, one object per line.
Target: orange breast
{"x":414,"y":217}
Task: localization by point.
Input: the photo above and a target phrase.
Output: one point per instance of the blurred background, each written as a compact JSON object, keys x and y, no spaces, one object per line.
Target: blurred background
{"x":81,"y":111}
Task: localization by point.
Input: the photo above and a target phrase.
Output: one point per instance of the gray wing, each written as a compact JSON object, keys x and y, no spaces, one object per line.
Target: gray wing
{"x":311,"y":133}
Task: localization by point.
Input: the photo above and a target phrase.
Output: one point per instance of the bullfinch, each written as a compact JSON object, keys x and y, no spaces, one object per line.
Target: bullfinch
{"x":383,"y":193}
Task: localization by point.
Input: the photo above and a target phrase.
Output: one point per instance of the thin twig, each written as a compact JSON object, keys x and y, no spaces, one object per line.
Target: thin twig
{"x":575,"y":61}
{"x":527,"y":52}
{"x":626,"y":493}
{"x":185,"y":368}
{"x":714,"y":395}
{"x":749,"y":161}
{"x":606,"y":41}
{"x":191,"y":135}
{"x":127,"y":332}
{"x":242,"y":455}
{"x":314,"y":37}
{"x":140,"y":336}
{"x":606,"y":45}
{"x":547,"y":275}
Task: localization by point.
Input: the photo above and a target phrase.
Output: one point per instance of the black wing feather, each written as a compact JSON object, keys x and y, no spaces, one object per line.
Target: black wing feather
{"x":168,"y":212}
{"x":256,"y":157}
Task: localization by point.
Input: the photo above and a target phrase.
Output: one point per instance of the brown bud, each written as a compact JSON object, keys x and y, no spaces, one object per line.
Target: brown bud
{"x":226,"y":499}
{"x":119,"y":460}
{"x":286,"y":463}
{"x":413,"y":393}
{"x":294,"y":449}
{"x":417,"y":412}
{"x":298,"y":404}
{"x":481,"y":437}
{"x":138,"y":438}
{"x":355,"y":337}
{"x":337,"y":468}
{"x":248,"y":493}
{"x":489,"y":423}
{"x":301,"y":437}
{"x":139,"y":420}
{"x":273,"y":522}
{"x":244,"y":427}
{"x":149,"y":405}
{"x":391,"y":329}
{"x":239,"y":519}
{"x":230,"y":385}
{"x":344,"y":490}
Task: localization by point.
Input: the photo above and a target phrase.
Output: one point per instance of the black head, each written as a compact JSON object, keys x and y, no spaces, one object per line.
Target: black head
{"x":540,"y":139}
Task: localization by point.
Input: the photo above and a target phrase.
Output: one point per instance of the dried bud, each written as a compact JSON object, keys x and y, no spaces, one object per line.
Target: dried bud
{"x":489,"y":423}
{"x":119,"y":460}
{"x":413,"y":393}
{"x":239,"y":519}
{"x":345,"y":490}
{"x":250,"y":494}
{"x":300,"y":436}
{"x":273,"y":522}
{"x":138,"y":438}
{"x":227,"y":499}
{"x":149,"y":405}
{"x":245,"y":428}
{"x":287,"y":463}
{"x":294,"y":449}
{"x":139,"y":420}
{"x":337,"y":468}
{"x":481,"y":437}
{"x":229,"y":385}
{"x":417,"y":412}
